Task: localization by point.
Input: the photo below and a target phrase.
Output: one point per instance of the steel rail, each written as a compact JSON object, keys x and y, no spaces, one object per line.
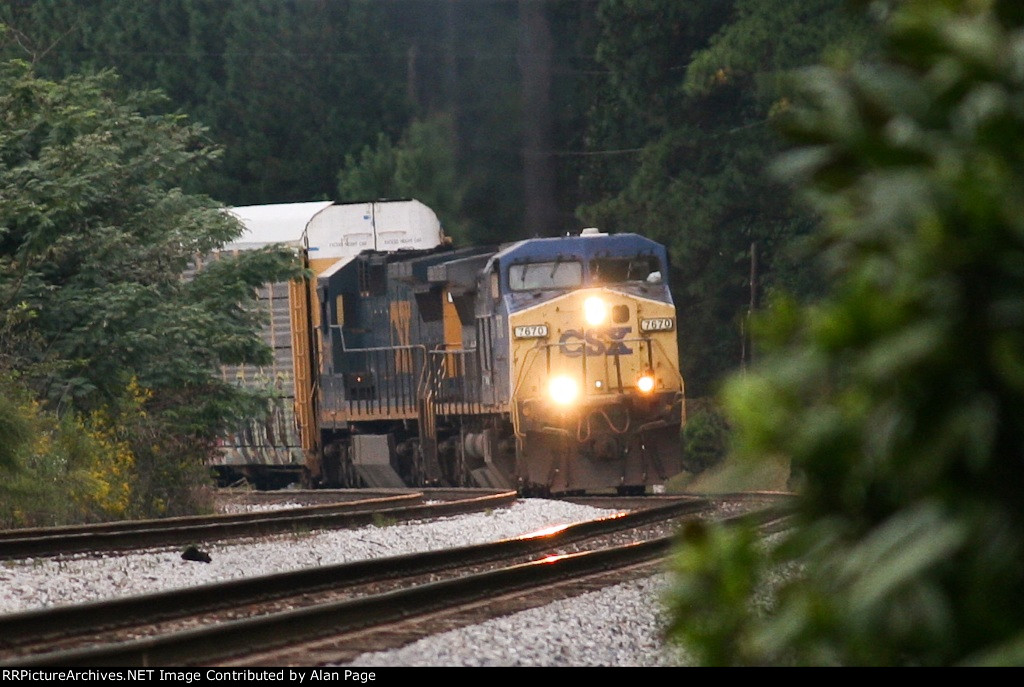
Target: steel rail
{"x":151,"y":523}
{"x":27,"y":627}
{"x":125,"y":536}
{"x":265,"y":632}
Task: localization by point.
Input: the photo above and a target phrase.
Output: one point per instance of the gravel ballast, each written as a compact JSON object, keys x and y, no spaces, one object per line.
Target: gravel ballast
{"x":620,"y":626}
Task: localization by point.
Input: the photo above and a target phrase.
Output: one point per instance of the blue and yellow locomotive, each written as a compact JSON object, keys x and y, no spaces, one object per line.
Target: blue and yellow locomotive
{"x":549,"y":365}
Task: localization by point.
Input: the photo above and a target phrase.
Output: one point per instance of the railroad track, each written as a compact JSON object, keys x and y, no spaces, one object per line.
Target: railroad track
{"x":308,"y":610}
{"x":141,"y":534}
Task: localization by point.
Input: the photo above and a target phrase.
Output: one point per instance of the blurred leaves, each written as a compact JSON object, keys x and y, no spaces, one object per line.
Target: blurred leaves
{"x":898,"y":395}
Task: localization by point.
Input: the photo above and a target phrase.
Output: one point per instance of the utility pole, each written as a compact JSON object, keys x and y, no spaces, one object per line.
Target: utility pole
{"x":747,"y":354}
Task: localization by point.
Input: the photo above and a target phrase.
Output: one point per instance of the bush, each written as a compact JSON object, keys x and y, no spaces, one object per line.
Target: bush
{"x":112,"y":464}
{"x":705,"y":436}
{"x":60,"y":470}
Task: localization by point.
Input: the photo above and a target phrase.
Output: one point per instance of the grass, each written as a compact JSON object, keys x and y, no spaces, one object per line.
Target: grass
{"x":731,"y":475}
{"x":383,"y":520}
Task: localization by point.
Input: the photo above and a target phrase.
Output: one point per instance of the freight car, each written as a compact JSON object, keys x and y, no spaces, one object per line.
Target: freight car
{"x":548,"y":365}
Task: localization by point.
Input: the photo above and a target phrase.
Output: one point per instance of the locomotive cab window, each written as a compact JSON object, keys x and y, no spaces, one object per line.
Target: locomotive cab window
{"x":372,"y":279}
{"x":536,"y":276}
{"x":616,"y":270}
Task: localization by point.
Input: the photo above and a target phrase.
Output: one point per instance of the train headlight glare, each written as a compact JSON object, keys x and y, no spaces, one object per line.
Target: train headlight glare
{"x":563,"y":390}
{"x":595,"y":310}
{"x":645,"y":384}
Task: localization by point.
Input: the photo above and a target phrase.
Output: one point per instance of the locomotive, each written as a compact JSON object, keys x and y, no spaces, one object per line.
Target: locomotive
{"x":548,"y":365}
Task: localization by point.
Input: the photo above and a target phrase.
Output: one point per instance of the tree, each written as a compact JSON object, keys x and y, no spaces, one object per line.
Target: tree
{"x":535,"y":58}
{"x":680,"y":134}
{"x":288,"y":87}
{"x":95,"y":235}
{"x":421,"y":166}
{"x":291,"y":88}
{"x":305,"y":84}
{"x":899,"y":396}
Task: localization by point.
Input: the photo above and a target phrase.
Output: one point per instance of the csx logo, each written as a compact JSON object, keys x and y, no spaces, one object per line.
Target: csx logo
{"x":575,"y":343}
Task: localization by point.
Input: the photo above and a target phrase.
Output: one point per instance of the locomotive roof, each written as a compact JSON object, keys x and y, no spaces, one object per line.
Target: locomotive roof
{"x":585,"y":247}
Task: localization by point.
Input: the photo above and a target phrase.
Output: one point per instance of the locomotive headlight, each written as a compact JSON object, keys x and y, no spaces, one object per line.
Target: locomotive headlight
{"x":595,"y":310}
{"x":563,"y":390}
{"x":645,"y":384}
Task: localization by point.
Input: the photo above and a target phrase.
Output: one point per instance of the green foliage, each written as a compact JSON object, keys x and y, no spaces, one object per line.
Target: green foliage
{"x":15,"y":429}
{"x":289,"y":87}
{"x":421,"y":166}
{"x":761,"y":44}
{"x":59,"y":470}
{"x":898,"y":396}
{"x":705,"y":436}
{"x":293,"y":87}
{"x":95,"y":236}
{"x":111,"y":464}
{"x":717,"y":574}
{"x":304,"y":83}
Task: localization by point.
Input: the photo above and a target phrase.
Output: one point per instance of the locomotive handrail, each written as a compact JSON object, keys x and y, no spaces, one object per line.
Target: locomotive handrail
{"x":369,"y":349}
{"x":679,"y":376}
{"x":440,"y":349}
{"x":449,"y":358}
{"x":427,"y":418}
{"x":668,"y":359}
{"x":514,"y":407}
{"x":378,"y":403}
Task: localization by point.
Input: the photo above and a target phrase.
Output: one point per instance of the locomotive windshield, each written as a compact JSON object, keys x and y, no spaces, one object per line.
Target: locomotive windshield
{"x":533,"y":276}
{"x":616,"y":270}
